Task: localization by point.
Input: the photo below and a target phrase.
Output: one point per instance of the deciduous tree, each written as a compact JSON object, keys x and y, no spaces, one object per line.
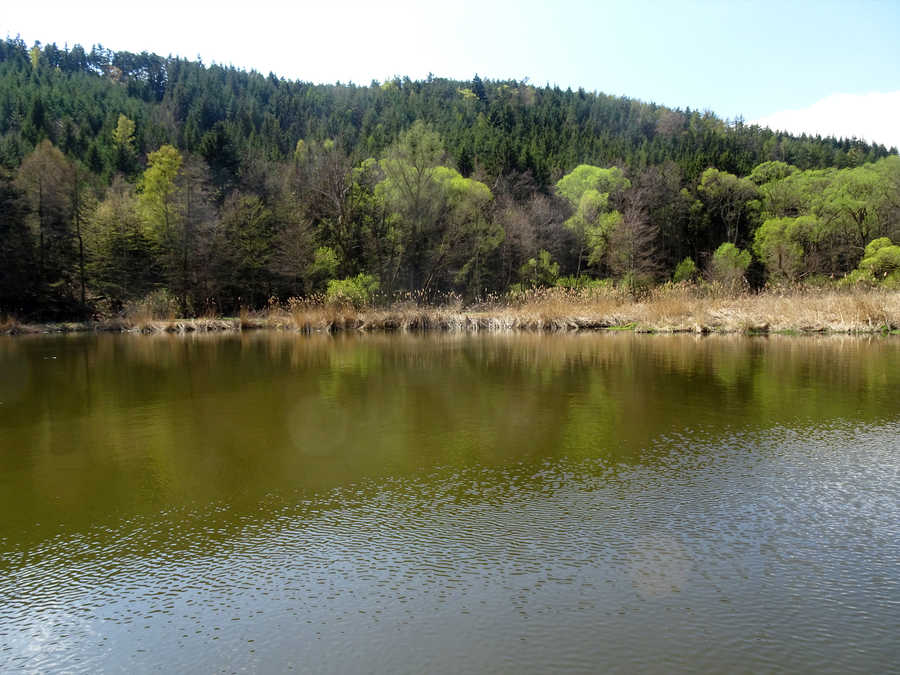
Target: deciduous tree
{"x":593,"y":192}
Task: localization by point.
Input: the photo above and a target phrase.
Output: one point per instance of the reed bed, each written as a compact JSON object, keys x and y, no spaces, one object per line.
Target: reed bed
{"x":670,"y":308}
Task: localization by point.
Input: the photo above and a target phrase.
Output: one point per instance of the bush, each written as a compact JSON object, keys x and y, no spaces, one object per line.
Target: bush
{"x":686,"y":270}
{"x":324,"y":265}
{"x":729,"y":264}
{"x":357,"y":291}
{"x":779,"y":244}
{"x":540,"y":271}
{"x":881,"y":259}
{"x":880,"y":265}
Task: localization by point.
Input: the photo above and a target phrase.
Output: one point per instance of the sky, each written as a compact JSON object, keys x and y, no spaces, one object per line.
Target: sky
{"x":807,"y":65}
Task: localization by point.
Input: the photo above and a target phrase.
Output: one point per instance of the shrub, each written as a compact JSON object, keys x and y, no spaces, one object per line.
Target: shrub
{"x":357,"y":291}
{"x":881,"y":258}
{"x":880,"y":265}
{"x":324,"y":265}
{"x":729,"y":264}
{"x":540,"y":271}
{"x":779,"y":242}
{"x":686,"y":270}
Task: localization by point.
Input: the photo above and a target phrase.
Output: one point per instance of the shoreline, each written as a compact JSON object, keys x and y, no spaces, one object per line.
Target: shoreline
{"x":666,"y":311}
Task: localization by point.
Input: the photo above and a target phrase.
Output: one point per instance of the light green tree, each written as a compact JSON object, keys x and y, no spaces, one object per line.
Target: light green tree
{"x":686,"y":270}
{"x":468,"y":236}
{"x":123,"y":134}
{"x":730,"y":202}
{"x":357,"y":291}
{"x":729,"y":264}
{"x":158,"y":192}
{"x":119,"y":254}
{"x":540,"y":271}
{"x":324,"y":266}
{"x":850,"y":205}
{"x":881,"y":261}
{"x":123,"y":144}
{"x":589,"y":191}
{"x":412,"y":197}
{"x":768,"y":172}
{"x":795,"y":194}
{"x":781,"y":244}
{"x":438,"y":218}
{"x":177,"y":211}
{"x":47,"y":179}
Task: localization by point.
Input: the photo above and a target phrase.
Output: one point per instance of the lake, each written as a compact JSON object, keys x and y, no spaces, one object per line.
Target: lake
{"x":267,"y":502}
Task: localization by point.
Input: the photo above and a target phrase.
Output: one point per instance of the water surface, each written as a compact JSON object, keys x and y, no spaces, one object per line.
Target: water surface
{"x":449,"y":504}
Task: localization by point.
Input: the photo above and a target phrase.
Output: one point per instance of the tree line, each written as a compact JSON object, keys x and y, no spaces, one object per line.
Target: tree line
{"x":126,"y":176}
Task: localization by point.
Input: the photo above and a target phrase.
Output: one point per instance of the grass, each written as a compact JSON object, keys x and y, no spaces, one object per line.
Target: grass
{"x":670,"y":308}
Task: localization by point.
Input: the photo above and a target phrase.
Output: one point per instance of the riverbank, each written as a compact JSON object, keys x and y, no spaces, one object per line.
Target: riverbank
{"x":667,"y":309}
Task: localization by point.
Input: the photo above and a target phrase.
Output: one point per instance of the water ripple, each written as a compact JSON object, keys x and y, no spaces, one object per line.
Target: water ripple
{"x":760,"y":551}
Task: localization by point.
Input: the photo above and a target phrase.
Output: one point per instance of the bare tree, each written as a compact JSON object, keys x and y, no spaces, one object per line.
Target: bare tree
{"x":632,"y":243}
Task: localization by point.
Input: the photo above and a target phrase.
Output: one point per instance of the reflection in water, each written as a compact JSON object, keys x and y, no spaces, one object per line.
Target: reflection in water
{"x":463,"y":504}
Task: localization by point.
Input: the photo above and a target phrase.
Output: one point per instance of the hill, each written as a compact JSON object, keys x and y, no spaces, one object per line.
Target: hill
{"x":266,"y":187}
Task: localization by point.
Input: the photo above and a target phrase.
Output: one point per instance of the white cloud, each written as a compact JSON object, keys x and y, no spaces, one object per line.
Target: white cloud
{"x":874,"y":117}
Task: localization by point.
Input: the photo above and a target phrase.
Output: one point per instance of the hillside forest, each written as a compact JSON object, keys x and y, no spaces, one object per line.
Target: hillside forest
{"x":132,"y":178}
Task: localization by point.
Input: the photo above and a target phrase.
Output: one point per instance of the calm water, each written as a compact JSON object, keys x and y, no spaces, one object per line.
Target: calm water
{"x":523,"y":503}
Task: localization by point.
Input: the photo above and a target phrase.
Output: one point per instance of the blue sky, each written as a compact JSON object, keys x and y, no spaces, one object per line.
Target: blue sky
{"x":827,"y":63}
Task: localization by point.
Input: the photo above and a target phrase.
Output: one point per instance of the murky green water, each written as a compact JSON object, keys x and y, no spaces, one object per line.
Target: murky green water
{"x":523,"y":503}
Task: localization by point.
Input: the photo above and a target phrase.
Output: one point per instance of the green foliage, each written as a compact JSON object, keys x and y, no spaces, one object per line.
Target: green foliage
{"x":358,"y":291}
{"x":300,"y":151}
{"x":730,"y":204}
{"x":686,"y":270}
{"x":325,"y":264}
{"x":851,"y":204}
{"x":881,"y":261}
{"x":539,"y":272}
{"x":121,"y":264}
{"x":417,"y":150}
{"x":157,"y":196}
{"x":47,"y":181}
{"x":525,"y":129}
{"x":437,"y":218}
{"x":248,"y":228}
{"x":771,"y":171}
{"x":780,"y":244}
{"x":17,"y":251}
{"x":729,"y":264}
{"x":123,"y":140}
{"x":584,"y":178}
{"x":830,"y":214}
{"x":123,"y":134}
{"x":252,"y":174}
{"x":589,"y":190}
{"x":583,"y":282}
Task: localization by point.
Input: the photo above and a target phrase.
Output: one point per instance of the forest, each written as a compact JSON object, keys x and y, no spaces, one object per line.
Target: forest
{"x":134,"y":178}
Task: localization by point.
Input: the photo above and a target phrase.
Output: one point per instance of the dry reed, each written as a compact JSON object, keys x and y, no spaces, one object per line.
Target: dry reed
{"x":670,"y":308}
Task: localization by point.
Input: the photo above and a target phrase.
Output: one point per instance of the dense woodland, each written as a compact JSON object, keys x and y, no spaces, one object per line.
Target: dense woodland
{"x":129,"y":178}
